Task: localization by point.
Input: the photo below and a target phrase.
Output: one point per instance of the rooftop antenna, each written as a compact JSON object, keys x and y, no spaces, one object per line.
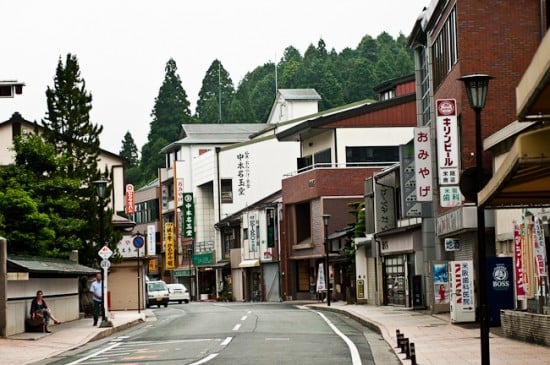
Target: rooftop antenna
{"x":276,"y":84}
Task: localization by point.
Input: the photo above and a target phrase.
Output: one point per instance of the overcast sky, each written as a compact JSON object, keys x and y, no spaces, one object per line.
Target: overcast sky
{"x":122,"y":46}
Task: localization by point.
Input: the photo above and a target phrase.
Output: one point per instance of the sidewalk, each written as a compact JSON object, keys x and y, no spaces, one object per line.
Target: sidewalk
{"x":437,"y":340}
{"x":27,"y":348}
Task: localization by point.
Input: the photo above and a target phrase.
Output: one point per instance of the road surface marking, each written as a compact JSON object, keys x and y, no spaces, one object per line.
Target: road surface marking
{"x":226,"y":341}
{"x":243,"y":318}
{"x":205,"y":360}
{"x":355,"y":358}
{"x":96,"y":353}
{"x":237,"y":326}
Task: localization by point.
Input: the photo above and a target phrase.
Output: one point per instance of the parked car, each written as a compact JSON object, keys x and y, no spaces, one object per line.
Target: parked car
{"x":157,"y":293}
{"x":178,"y":293}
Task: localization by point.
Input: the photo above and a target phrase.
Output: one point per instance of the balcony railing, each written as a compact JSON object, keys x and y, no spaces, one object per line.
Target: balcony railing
{"x":330,"y":165}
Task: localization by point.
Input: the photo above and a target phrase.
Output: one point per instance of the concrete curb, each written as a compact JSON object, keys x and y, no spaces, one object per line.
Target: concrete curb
{"x":370,"y":324}
{"x":110,"y":330}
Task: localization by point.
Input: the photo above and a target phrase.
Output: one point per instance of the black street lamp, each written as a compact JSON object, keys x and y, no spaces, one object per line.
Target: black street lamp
{"x":476,"y":88}
{"x":101,"y":186}
{"x":326,"y":218}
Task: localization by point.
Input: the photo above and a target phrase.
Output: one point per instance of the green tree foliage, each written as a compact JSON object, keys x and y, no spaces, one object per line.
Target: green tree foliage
{"x":339,"y":77}
{"x":40,"y":215}
{"x":69,"y":197}
{"x":217,"y":88}
{"x":129,"y":151}
{"x":67,"y":124}
{"x":170,"y":111}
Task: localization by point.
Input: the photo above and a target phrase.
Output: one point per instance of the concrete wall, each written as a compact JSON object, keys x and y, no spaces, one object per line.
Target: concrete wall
{"x":61,"y":295}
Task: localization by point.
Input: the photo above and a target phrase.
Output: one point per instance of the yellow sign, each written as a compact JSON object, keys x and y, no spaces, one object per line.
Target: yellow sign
{"x":360,"y":289}
{"x":169,"y":253}
{"x":153,"y":265}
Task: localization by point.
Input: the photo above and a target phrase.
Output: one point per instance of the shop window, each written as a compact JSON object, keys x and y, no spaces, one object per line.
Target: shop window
{"x":303,"y":276}
{"x":227,"y":190}
{"x":303,"y":222}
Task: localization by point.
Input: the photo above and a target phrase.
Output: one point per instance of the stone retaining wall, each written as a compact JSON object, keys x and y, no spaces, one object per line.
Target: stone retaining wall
{"x":529,"y":327}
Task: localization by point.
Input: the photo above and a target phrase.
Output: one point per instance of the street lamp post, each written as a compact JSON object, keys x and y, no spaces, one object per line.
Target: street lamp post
{"x":326,"y":218}
{"x":476,"y":88}
{"x":101,"y":190}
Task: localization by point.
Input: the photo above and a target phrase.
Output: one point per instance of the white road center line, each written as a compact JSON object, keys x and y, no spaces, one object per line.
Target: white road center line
{"x":226,"y":341}
{"x":237,"y":326}
{"x":243,"y":318}
{"x":355,"y":358}
{"x":205,"y":360}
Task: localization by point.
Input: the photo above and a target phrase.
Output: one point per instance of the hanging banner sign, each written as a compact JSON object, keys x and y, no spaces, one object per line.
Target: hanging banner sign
{"x":540,"y":248}
{"x":321,"y":283}
{"x":518,"y":263}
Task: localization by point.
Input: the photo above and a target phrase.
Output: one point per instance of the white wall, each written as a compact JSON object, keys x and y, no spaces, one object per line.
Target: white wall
{"x":263,"y":169}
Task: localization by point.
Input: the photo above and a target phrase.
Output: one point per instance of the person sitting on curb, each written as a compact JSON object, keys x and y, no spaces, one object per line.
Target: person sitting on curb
{"x":40,"y":310}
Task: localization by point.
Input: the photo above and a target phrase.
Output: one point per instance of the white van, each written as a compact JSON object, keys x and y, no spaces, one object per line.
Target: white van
{"x":157,"y":293}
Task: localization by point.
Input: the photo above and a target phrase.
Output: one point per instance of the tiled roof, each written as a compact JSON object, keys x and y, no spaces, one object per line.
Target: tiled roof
{"x":47,"y":265}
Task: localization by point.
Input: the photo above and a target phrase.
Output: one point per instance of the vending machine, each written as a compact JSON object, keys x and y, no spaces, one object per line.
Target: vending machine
{"x":462,"y":301}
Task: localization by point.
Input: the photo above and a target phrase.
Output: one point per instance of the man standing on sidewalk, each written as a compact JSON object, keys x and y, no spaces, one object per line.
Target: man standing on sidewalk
{"x":97,"y":299}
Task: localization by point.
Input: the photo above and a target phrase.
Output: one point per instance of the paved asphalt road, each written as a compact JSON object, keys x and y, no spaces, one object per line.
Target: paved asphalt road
{"x":238,"y":333}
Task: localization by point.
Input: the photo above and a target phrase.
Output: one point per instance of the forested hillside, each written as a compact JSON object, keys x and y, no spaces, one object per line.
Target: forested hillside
{"x":339,"y":77}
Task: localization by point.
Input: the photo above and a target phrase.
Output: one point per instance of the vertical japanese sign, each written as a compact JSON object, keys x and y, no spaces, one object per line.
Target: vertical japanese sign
{"x":188,"y":211}
{"x":423,"y":163}
{"x":130,"y":205}
{"x":170,"y":251}
{"x":164,"y":192}
{"x":179,"y":192}
{"x":463,"y":285}
{"x":151,"y":240}
{"x":252,"y":231}
{"x":243,"y":172}
{"x":518,"y":263}
{"x":447,"y":141}
{"x":540,"y":248}
{"x":385,"y":207}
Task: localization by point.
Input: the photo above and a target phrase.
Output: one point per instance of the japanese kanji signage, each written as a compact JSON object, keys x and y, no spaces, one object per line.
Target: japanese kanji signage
{"x":385,"y":207}
{"x":447,"y":141}
{"x":423,"y":164}
{"x":188,"y":216}
{"x":243,"y":172}
{"x":450,"y":196}
{"x":252,"y":231}
{"x":169,"y":239}
{"x":130,"y":205}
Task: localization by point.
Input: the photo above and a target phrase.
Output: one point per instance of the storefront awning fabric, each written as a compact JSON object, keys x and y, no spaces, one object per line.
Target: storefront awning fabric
{"x":523,"y":178}
{"x":249,"y":263}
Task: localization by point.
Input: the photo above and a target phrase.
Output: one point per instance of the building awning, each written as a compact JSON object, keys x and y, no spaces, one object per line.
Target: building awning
{"x":364,"y":241}
{"x":533,"y":90}
{"x":249,"y":263}
{"x":523,"y":178}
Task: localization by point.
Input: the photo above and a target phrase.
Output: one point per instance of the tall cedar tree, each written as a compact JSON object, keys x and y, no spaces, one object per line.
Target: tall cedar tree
{"x":170,"y":111}
{"x":129,"y":151}
{"x":67,"y":127}
{"x":216,"y":82}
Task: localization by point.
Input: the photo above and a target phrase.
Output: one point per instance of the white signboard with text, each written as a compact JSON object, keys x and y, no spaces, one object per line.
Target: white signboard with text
{"x":447,"y":141}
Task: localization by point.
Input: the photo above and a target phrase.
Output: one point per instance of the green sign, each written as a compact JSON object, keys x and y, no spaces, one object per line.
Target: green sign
{"x":188,"y":217}
{"x":203,"y":259}
{"x":184,"y":272}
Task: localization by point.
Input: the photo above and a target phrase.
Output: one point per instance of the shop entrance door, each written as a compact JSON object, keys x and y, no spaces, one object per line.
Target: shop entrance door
{"x":396,"y":281}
